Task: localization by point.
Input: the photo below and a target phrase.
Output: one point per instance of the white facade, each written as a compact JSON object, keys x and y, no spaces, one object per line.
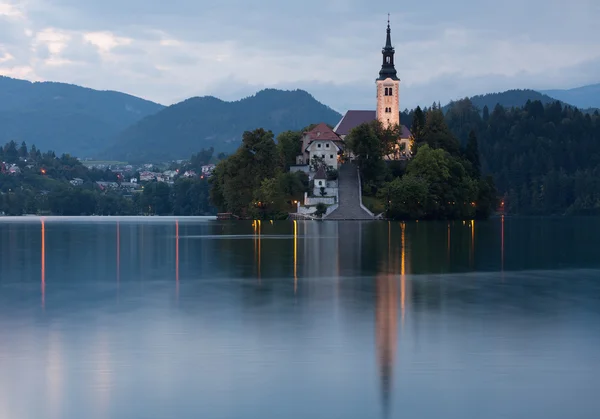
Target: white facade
{"x":327,"y":150}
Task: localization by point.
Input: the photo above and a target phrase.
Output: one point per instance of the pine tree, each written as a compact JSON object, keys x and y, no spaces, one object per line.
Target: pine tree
{"x":472,"y":154}
{"x":486,"y":114}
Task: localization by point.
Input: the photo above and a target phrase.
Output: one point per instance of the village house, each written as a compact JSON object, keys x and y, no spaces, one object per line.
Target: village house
{"x":323,"y":143}
{"x":147,"y":176}
{"x":76,"y":181}
{"x":169,"y":175}
{"x":207,"y":170}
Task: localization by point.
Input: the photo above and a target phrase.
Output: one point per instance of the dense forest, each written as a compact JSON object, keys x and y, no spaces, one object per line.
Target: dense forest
{"x":64,"y":117}
{"x":204,"y":122}
{"x":545,"y":159}
{"x":32,"y":182}
{"x":441,"y":181}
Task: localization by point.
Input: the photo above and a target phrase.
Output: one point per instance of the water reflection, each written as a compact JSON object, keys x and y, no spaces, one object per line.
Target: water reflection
{"x":333,"y":344}
{"x":43,"y":263}
{"x":118,"y":253}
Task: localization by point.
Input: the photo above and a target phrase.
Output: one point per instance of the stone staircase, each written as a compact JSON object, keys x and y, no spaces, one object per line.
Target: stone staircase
{"x":349,"y":196}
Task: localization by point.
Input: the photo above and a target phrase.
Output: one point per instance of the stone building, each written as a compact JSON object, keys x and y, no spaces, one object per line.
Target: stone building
{"x":322,"y":142}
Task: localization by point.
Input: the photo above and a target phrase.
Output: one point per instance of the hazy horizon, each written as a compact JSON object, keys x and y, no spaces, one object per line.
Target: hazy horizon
{"x":332,"y":49}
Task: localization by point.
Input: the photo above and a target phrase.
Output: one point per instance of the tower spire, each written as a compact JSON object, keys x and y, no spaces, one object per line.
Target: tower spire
{"x":388,"y":40}
{"x":388,"y":70}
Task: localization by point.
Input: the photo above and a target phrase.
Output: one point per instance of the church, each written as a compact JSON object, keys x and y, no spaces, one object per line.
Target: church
{"x":388,"y":103}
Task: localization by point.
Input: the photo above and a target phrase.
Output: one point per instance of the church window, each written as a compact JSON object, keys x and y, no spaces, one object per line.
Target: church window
{"x":387,"y":59}
{"x":390,"y":91}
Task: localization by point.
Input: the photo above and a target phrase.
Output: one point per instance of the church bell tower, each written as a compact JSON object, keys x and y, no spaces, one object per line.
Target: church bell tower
{"x":388,"y":86}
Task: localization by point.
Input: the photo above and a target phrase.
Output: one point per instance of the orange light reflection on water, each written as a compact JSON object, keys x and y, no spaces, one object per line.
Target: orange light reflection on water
{"x":403,"y":275}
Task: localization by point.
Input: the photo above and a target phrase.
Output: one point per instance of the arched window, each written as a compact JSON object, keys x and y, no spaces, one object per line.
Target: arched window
{"x":390,"y":91}
{"x":386,"y":91}
{"x":387,"y":59}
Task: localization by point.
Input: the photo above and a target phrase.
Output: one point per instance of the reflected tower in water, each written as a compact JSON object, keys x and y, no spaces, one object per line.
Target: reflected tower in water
{"x":386,"y":332}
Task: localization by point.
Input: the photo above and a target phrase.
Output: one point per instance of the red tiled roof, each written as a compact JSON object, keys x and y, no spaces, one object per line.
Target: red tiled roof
{"x":322,"y":132}
{"x":352,"y":119}
{"x":321,"y":173}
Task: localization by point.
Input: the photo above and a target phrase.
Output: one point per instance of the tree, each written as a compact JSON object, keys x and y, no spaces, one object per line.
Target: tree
{"x":472,"y":154}
{"x":418,"y":125}
{"x":437,"y":134}
{"x":23,"y":152}
{"x":156,"y":198}
{"x":486,"y":114}
{"x":237,"y":178}
{"x":289,"y":146}
{"x":11,"y":154}
{"x":367,"y":147}
{"x":406,"y":197}
{"x":321,"y":210}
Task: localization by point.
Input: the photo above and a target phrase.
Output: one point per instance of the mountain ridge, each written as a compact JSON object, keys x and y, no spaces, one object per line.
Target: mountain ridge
{"x":66,"y":118}
{"x":202,"y":122}
{"x":583,"y":97}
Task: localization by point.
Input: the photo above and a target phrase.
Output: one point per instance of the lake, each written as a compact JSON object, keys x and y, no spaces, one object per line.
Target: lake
{"x":156,"y":317}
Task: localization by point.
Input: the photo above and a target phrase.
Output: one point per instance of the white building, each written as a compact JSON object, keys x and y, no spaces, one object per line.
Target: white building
{"x":323,"y":143}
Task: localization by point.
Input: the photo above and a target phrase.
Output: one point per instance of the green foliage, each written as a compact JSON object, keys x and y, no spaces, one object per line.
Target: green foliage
{"x":254,"y":181}
{"x":43,"y":187}
{"x":321,"y":210}
{"x":406,"y":197}
{"x":544,"y":159}
{"x":437,"y":134}
{"x":289,"y":146}
{"x":369,"y":152}
{"x":472,"y":154}
{"x":207,"y":122}
{"x":190,"y":197}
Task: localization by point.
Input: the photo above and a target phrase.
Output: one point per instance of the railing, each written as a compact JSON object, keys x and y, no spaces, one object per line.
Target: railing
{"x":360,"y":195}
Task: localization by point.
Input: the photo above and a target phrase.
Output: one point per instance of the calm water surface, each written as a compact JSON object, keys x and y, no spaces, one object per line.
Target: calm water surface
{"x":193,"y":318}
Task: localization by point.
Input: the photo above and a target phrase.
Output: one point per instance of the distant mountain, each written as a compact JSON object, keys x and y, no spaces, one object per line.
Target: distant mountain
{"x":582,"y":97}
{"x":64,"y":117}
{"x":508,"y":99}
{"x":202,"y":122}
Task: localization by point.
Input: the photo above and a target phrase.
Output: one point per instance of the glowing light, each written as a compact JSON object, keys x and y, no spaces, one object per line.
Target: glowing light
{"x":403,"y":275}
{"x":43,"y":171}
{"x":502,"y":245}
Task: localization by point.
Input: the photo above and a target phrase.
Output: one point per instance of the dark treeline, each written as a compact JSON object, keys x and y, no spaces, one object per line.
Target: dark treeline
{"x":32,"y":182}
{"x":255,"y":181}
{"x":545,"y":159}
{"x":441,"y":181}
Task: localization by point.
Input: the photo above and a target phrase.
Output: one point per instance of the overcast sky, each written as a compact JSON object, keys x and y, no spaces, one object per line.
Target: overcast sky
{"x":167,"y":51}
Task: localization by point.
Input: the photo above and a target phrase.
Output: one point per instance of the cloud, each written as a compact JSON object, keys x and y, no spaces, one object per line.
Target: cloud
{"x":168,"y":51}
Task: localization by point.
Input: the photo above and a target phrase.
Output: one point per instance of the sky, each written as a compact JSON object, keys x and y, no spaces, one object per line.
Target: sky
{"x":167,"y":51}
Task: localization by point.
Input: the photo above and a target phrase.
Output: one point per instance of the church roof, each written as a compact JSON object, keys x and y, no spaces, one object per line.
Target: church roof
{"x":352,"y":119}
{"x":322,"y":132}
